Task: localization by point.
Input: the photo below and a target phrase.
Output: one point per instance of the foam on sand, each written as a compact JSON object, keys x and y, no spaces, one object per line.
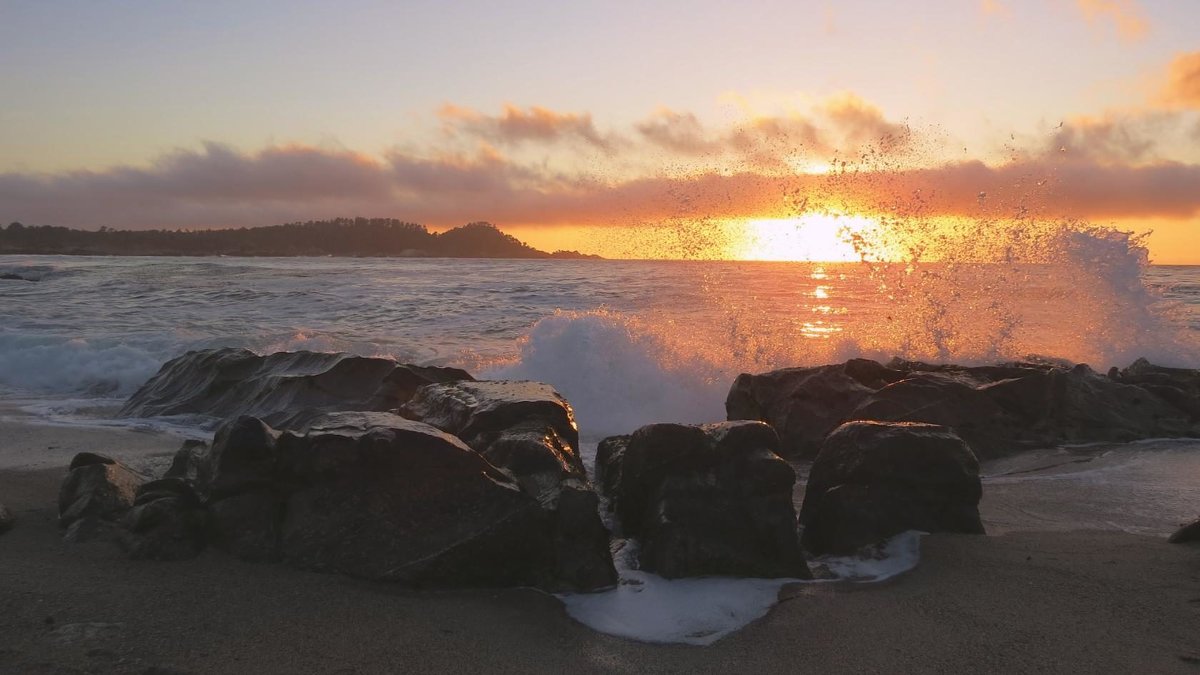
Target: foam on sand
{"x":700,"y":611}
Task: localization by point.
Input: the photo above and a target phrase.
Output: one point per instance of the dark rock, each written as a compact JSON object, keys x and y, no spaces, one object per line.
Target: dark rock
{"x":1178,"y":386}
{"x":97,"y":487}
{"x":91,"y":528}
{"x":9,"y":276}
{"x":1186,"y":534}
{"x":7,"y":520}
{"x":997,"y":409}
{"x":528,"y":430}
{"x":937,"y":398}
{"x":805,"y":404}
{"x":702,"y":500}
{"x":610,"y":455}
{"x":247,"y":525}
{"x":381,"y":497}
{"x":167,"y":522}
{"x":87,"y":459}
{"x":479,"y":412}
{"x":242,"y":457}
{"x":188,"y":462}
{"x":874,"y":480}
{"x":226,"y":383}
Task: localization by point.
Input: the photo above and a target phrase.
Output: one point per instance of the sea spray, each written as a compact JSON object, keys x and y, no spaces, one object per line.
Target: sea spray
{"x":618,"y":372}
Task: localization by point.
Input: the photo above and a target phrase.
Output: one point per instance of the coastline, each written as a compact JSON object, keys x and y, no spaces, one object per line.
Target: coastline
{"x":1066,"y":601}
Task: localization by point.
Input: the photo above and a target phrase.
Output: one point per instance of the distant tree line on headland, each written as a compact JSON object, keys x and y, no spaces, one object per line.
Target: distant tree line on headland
{"x":350,"y":237}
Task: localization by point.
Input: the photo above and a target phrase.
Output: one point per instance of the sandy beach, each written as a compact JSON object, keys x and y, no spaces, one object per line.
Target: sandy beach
{"x":1081,"y":601}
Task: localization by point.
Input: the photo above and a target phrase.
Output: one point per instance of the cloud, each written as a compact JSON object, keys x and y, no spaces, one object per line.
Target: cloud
{"x":1126,"y":16}
{"x":1109,"y":167}
{"x":1110,"y":138}
{"x":994,"y":8}
{"x":1182,"y":89}
{"x":516,"y":125}
{"x":843,"y":123}
{"x":217,"y":186}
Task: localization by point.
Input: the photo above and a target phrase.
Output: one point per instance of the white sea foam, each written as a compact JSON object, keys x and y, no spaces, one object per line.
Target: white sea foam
{"x":700,"y":611}
{"x":617,"y":373}
{"x":55,"y":365}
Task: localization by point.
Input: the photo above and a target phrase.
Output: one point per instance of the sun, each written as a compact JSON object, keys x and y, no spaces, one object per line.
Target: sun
{"x":813,"y":237}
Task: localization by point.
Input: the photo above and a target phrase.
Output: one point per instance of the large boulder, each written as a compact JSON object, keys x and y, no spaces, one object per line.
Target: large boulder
{"x":226,"y":383}
{"x":998,"y":409}
{"x":704,"y":500}
{"x":97,"y":492}
{"x":381,"y":497}
{"x":528,"y":430}
{"x":874,"y":480}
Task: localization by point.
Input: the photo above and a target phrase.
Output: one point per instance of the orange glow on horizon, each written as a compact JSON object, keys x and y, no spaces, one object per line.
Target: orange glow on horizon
{"x":811,"y":237}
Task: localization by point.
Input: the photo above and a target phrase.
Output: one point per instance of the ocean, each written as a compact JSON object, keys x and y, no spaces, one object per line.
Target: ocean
{"x":634,"y":342}
{"x":627,"y":342}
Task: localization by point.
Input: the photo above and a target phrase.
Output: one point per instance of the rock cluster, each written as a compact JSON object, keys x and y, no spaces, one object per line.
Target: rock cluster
{"x":702,"y":500}
{"x":478,"y":483}
{"x":997,"y":410}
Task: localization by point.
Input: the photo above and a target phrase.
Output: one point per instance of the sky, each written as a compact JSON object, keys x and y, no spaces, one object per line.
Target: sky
{"x":573,"y":124}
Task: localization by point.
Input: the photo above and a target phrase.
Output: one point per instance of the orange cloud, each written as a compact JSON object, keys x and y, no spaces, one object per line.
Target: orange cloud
{"x":1126,"y":16}
{"x":220,"y":187}
{"x":843,"y":123}
{"x":1183,"y":82}
{"x":1092,"y":167}
{"x":994,"y":8}
{"x":515,"y":125}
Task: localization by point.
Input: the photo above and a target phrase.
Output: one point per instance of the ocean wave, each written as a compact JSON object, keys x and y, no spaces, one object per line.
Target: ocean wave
{"x":56,"y":365}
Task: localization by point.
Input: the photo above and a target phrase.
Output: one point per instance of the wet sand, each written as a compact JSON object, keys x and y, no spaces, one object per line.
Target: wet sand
{"x":1076,"y":601}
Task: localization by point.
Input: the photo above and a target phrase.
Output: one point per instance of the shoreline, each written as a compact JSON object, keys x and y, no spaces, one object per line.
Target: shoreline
{"x":1063,"y":601}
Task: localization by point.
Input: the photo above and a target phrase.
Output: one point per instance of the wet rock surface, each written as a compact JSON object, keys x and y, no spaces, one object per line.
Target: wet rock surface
{"x":874,"y":480}
{"x":475,"y":484}
{"x":702,"y":500}
{"x":279,"y":388}
{"x":998,"y":409}
{"x":372,"y":495}
{"x":528,"y":430}
{"x":97,"y":492}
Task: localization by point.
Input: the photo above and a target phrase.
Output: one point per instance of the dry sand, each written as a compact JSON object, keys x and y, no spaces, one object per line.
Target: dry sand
{"x":1023,"y":602}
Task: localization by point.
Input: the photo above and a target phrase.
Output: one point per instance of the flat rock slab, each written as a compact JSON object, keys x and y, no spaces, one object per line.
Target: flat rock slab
{"x":279,"y":388}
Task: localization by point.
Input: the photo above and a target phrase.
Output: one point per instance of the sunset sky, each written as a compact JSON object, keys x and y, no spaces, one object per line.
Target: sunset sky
{"x":572,"y":124}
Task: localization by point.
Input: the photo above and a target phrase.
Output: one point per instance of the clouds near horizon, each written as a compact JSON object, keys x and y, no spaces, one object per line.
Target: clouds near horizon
{"x":217,"y":186}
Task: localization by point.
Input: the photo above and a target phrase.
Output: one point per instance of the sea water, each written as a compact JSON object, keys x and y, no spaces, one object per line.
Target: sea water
{"x":634,"y":342}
